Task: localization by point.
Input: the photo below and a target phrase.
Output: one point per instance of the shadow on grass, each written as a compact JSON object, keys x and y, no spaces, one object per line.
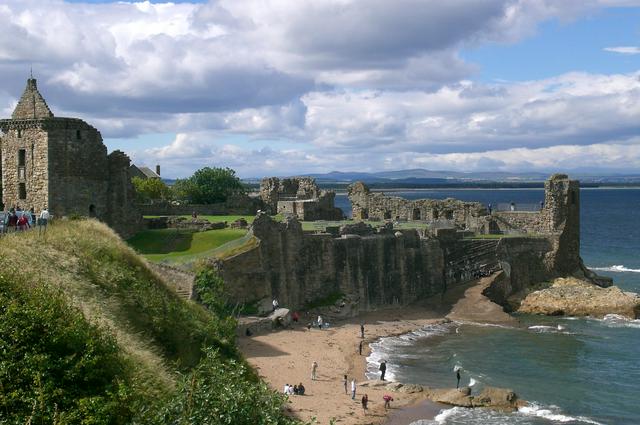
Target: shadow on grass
{"x":162,"y":241}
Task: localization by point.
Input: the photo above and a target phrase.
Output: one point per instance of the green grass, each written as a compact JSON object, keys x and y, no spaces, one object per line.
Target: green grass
{"x":218,"y":218}
{"x":178,"y":245}
{"x":90,"y":335}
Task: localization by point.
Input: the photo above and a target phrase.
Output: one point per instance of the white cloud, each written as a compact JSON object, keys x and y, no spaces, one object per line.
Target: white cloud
{"x":343,"y":84}
{"x":624,"y":50}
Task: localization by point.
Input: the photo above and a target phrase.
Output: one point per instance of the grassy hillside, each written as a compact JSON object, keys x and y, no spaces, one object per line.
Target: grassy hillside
{"x":89,"y":335}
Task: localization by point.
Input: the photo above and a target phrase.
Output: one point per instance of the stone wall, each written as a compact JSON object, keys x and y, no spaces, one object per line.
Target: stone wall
{"x":377,"y":267}
{"x":78,"y":170}
{"x":378,"y":206}
{"x":299,"y":268}
{"x":34,"y":175}
{"x":300,"y":197}
{"x":122,"y":213}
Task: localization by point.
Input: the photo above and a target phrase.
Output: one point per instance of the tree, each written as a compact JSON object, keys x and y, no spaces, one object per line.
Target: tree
{"x":209,"y":185}
{"x":151,"y":189}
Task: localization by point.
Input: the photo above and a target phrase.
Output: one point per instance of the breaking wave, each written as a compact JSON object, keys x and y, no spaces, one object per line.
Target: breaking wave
{"x":531,"y":414}
{"x":616,"y":269}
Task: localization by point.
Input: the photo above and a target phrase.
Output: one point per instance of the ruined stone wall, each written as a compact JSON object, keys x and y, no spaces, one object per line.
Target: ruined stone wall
{"x":299,"y":268}
{"x":78,"y":171}
{"x":299,"y":196}
{"x":122,"y":213}
{"x":376,"y":205}
{"x":378,"y":267}
{"x":33,"y":139}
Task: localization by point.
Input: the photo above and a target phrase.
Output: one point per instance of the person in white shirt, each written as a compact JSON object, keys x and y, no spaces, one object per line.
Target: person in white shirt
{"x":43,"y":220}
{"x":353,"y":389}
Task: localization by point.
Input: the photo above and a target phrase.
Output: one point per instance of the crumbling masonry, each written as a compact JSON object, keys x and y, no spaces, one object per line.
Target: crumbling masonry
{"x":299,"y":197}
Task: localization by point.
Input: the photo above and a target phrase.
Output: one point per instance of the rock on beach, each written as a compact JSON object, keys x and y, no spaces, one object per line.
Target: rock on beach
{"x":574,"y":297}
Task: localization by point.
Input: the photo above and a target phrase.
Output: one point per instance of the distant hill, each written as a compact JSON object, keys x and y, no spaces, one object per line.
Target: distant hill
{"x":424,"y":177}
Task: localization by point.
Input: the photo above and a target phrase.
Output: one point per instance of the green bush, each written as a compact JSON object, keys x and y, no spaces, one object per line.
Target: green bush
{"x":220,"y":391}
{"x":55,"y":366}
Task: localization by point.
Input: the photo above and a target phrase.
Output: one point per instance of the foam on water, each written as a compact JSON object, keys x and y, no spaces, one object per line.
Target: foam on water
{"x":616,"y":269}
{"x":532,"y":414}
{"x":617,"y":321}
{"x":554,"y":414}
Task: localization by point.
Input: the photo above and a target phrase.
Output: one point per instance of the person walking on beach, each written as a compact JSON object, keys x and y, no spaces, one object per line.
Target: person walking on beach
{"x":360,"y":347}
{"x":365,"y":401}
{"x":314,"y":369}
{"x":387,"y":401}
{"x":353,"y":389}
{"x":345,"y":381}
{"x":383,"y":369}
{"x":362,"y":330}
{"x":458,"y":378}
{"x":320,"y":322}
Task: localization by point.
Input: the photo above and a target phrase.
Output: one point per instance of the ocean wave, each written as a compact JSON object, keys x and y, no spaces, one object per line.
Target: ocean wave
{"x":549,"y":329}
{"x":616,"y":268}
{"x":617,"y":321}
{"x":553,"y":413}
{"x":524,"y":415}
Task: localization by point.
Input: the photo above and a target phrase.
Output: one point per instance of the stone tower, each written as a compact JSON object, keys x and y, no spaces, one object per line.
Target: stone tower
{"x":59,"y":163}
{"x":561,"y":217}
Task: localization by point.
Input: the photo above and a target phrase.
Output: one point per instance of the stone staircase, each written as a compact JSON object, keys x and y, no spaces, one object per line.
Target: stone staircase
{"x":470,"y":259}
{"x":175,"y":278}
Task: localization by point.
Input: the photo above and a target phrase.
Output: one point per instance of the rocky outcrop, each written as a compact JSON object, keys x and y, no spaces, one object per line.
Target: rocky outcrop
{"x":575,"y":297}
{"x":490,"y":397}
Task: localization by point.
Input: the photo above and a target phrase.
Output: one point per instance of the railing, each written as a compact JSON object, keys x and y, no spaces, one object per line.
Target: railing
{"x":518,"y":207}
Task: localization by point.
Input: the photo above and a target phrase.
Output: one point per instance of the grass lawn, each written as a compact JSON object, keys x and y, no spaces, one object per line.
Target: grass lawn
{"x":179,"y":246}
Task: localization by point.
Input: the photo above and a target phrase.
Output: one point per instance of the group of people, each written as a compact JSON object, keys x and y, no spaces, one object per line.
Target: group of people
{"x":294,"y":389}
{"x":17,"y":219}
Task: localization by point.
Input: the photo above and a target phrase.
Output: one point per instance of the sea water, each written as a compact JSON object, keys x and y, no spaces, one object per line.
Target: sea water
{"x":572,"y":371}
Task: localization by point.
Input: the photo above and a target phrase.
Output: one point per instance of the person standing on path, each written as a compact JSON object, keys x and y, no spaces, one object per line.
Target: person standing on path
{"x":320,"y":322}
{"x":314,"y":368}
{"x":345,"y":381}
{"x":353,"y":389}
{"x":383,"y":369}
{"x":458,"y":378}
{"x":365,"y":401}
{"x":362,"y":330}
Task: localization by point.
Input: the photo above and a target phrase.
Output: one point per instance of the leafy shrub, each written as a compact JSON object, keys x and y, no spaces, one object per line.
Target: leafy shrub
{"x":54,"y":364}
{"x":223,"y":392}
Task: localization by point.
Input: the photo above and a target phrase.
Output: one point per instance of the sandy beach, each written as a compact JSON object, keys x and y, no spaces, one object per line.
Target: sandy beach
{"x":285,"y":357}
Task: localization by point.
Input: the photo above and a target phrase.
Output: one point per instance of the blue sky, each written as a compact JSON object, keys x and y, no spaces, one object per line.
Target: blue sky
{"x":276,"y":87}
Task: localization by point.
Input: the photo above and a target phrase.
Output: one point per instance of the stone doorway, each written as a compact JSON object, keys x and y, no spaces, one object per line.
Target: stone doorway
{"x":416,"y":214}
{"x":92,"y":210}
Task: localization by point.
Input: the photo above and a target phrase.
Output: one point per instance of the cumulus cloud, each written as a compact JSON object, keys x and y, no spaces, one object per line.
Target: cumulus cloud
{"x":344,"y":84}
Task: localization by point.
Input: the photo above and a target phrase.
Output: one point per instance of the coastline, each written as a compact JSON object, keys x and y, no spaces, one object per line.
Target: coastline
{"x":285,"y":357}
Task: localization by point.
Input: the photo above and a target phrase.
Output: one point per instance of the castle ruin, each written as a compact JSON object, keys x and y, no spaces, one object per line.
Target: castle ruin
{"x":299,"y":197}
{"x":61,"y":164}
{"x":385,"y":266}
